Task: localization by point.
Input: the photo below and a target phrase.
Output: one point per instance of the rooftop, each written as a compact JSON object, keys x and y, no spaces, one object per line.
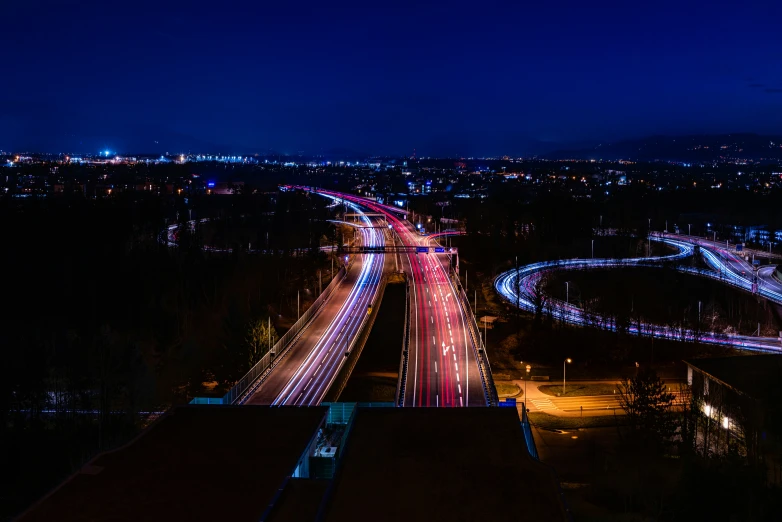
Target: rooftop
{"x":197,"y":463}
{"x":753,"y":375}
{"x":441,"y":464}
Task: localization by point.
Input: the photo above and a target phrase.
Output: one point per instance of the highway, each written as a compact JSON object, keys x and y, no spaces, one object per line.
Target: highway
{"x":310,"y":367}
{"x":730,"y":264}
{"x":442,"y":362}
{"x":442,"y":367}
{"x":520,"y":286}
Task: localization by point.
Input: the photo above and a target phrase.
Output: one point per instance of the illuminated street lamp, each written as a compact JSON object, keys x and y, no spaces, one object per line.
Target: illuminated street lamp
{"x":564,"y":367}
{"x":525,"y":385}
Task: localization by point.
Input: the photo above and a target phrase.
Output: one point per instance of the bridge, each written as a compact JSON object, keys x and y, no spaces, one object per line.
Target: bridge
{"x":399,"y":249}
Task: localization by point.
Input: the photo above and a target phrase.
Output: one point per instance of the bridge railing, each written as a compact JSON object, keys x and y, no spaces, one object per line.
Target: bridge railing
{"x":253,"y":378}
{"x":527,"y":430}
{"x":479,"y":350}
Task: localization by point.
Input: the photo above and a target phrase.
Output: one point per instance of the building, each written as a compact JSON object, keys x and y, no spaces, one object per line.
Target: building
{"x":339,"y":461}
{"x":739,"y":402}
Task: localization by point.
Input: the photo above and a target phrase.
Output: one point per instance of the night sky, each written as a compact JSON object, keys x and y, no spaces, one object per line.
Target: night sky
{"x":450,"y":78}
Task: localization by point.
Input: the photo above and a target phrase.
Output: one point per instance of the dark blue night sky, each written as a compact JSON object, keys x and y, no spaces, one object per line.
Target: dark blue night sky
{"x":450,"y":78}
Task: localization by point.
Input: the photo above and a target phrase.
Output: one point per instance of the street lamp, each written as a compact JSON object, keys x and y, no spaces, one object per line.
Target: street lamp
{"x":689,"y":229}
{"x":525,"y":386}
{"x":564,"y":367}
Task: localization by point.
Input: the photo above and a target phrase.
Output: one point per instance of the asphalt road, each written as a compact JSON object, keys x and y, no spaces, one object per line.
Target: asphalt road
{"x":442,"y":369}
{"x":311,"y":365}
{"x":736,"y":264}
{"x":724,"y":264}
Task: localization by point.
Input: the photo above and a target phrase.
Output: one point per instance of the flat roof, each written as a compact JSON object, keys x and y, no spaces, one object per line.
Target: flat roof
{"x":441,"y":464}
{"x":753,"y":375}
{"x":196,"y":463}
{"x":299,"y":500}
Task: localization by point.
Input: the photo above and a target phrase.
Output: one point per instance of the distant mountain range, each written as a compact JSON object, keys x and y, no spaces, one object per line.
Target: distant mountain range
{"x":698,"y":148}
{"x":689,"y":149}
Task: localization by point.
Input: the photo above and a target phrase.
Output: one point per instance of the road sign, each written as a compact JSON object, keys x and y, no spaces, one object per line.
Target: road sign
{"x":756,"y":262}
{"x":739,"y":247}
{"x":439,"y":250}
{"x":425,"y":250}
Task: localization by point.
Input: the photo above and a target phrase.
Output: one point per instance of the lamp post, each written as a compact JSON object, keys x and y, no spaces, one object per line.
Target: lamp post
{"x":564,"y":368}
{"x":593,"y":249}
{"x":689,"y":229}
{"x":525,"y":386}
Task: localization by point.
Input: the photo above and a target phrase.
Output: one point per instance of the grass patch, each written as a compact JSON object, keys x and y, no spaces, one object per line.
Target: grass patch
{"x":507,"y":389}
{"x":579,"y":390}
{"x":552,"y":422}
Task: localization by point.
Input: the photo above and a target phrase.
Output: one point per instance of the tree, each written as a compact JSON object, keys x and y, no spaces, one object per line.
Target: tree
{"x":539,"y":298}
{"x":260,"y":336}
{"x":647,"y":403}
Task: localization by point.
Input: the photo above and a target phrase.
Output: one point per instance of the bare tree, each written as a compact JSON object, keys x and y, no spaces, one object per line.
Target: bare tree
{"x":258,"y":339}
{"x":539,"y":298}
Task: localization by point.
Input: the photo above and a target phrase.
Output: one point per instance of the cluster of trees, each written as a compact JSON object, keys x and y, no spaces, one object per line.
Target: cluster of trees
{"x":662,"y":299}
{"x":104,"y":324}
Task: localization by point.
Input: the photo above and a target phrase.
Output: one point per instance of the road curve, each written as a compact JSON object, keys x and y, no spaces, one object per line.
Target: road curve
{"x":518,"y":287}
{"x":304,"y":377}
